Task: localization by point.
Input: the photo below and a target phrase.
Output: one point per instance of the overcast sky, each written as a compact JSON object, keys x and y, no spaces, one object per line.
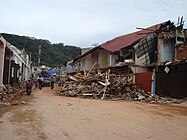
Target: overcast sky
{"x":85,"y":22}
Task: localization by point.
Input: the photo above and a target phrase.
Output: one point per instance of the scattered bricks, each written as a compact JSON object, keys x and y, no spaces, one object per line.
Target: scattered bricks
{"x":12,"y":96}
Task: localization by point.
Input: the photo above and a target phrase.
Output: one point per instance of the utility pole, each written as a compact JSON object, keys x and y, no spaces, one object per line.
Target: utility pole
{"x":30,"y":55}
{"x":39,"y":53}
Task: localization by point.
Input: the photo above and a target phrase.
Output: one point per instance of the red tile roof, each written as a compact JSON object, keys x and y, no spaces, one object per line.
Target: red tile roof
{"x":126,"y":40}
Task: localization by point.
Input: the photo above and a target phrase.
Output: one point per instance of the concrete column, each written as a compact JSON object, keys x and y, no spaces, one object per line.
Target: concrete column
{"x":2,"y":55}
{"x":110,"y":59}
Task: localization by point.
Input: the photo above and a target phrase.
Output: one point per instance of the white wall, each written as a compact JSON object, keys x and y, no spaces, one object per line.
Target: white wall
{"x":27,"y":77}
{"x":113,"y":59}
{"x":165,"y":50}
{"x":102,"y":57}
{"x":27,"y":68}
{"x":141,"y":60}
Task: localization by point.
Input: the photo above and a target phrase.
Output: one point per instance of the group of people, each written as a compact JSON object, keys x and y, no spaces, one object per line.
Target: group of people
{"x":38,"y":84}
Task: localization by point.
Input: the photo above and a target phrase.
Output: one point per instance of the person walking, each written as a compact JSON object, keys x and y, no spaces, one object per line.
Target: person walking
{"x":29,"y":87}
{"x":40,"y":82}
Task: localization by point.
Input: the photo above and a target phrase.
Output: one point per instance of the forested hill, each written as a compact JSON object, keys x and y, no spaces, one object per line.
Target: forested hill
{"x":51,"y":54}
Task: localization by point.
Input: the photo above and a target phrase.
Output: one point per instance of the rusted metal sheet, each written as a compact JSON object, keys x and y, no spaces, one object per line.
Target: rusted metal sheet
{"x":129,"y":39}
{"x":145,"y":79}
{"x":172,"y":84}
{"x":162,"y":84}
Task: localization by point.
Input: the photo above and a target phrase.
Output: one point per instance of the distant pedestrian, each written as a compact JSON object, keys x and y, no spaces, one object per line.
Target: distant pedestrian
{"x":36,"y":82}
{"x":52,"y":83}
{"x":29,"y":87}
{"x":40,"y":82}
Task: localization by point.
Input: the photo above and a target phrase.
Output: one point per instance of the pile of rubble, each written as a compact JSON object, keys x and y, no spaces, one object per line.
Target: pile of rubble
{"x":104,"y":86}
{"x":12,"y":95}
{"x":109,"y":87}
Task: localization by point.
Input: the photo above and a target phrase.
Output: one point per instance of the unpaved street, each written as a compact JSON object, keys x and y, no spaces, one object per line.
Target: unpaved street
{"x":52,"y":117}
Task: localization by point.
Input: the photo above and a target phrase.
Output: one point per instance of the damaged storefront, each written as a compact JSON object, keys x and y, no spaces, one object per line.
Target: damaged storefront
{"x":171,"y":80}
{"x":171,"y":76}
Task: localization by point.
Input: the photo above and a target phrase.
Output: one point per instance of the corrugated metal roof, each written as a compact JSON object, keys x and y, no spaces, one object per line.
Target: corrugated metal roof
{"x":126,"y":40}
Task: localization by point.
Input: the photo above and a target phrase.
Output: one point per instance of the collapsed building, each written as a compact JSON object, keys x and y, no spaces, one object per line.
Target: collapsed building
{"x":144,"y":56}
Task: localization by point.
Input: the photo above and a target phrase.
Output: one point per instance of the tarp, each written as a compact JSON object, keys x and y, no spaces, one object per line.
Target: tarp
{"x":51,"y":72}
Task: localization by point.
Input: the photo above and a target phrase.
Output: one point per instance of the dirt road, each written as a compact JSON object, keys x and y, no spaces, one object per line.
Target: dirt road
{"x":52,"y":117}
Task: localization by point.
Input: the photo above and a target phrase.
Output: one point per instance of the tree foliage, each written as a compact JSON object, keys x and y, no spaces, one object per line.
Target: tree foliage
{"x":51,"y":54}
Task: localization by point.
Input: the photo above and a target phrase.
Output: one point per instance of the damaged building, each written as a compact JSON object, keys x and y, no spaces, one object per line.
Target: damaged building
{"x":139,"y":55}
{"x":15,"y":64}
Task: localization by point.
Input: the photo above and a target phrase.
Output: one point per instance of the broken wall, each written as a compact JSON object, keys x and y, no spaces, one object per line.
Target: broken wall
{"x":86,"y":63}
{"x":145,"y":50}
{"x":166,"y":50}
{"x":181,"y":48}
{"x":181,"y":44}
{"x":69,"y":67}
{"x":88,"y":60}
{"x":113,"y":59}
{"x":181,"y":53}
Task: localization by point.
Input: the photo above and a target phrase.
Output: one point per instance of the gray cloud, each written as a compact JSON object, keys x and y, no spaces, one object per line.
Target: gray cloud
{"x":84,"y":22}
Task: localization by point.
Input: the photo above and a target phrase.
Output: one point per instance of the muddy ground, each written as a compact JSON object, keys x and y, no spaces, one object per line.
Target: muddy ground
{"x":47,"y":116}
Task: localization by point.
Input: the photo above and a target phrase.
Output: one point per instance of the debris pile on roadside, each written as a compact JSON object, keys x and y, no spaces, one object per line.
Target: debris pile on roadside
{"x":104,"y":86}
{"x":109,"y":87}
{"x":12,"y":95}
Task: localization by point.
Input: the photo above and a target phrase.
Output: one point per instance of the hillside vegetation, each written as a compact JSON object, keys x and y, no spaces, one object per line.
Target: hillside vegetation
{"x":51,"y":54}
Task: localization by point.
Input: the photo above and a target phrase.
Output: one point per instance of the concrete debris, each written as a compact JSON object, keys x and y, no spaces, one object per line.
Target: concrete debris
{"x":23,"y":102}
{"x":12,"y":96}
{"x":109,"y":87}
